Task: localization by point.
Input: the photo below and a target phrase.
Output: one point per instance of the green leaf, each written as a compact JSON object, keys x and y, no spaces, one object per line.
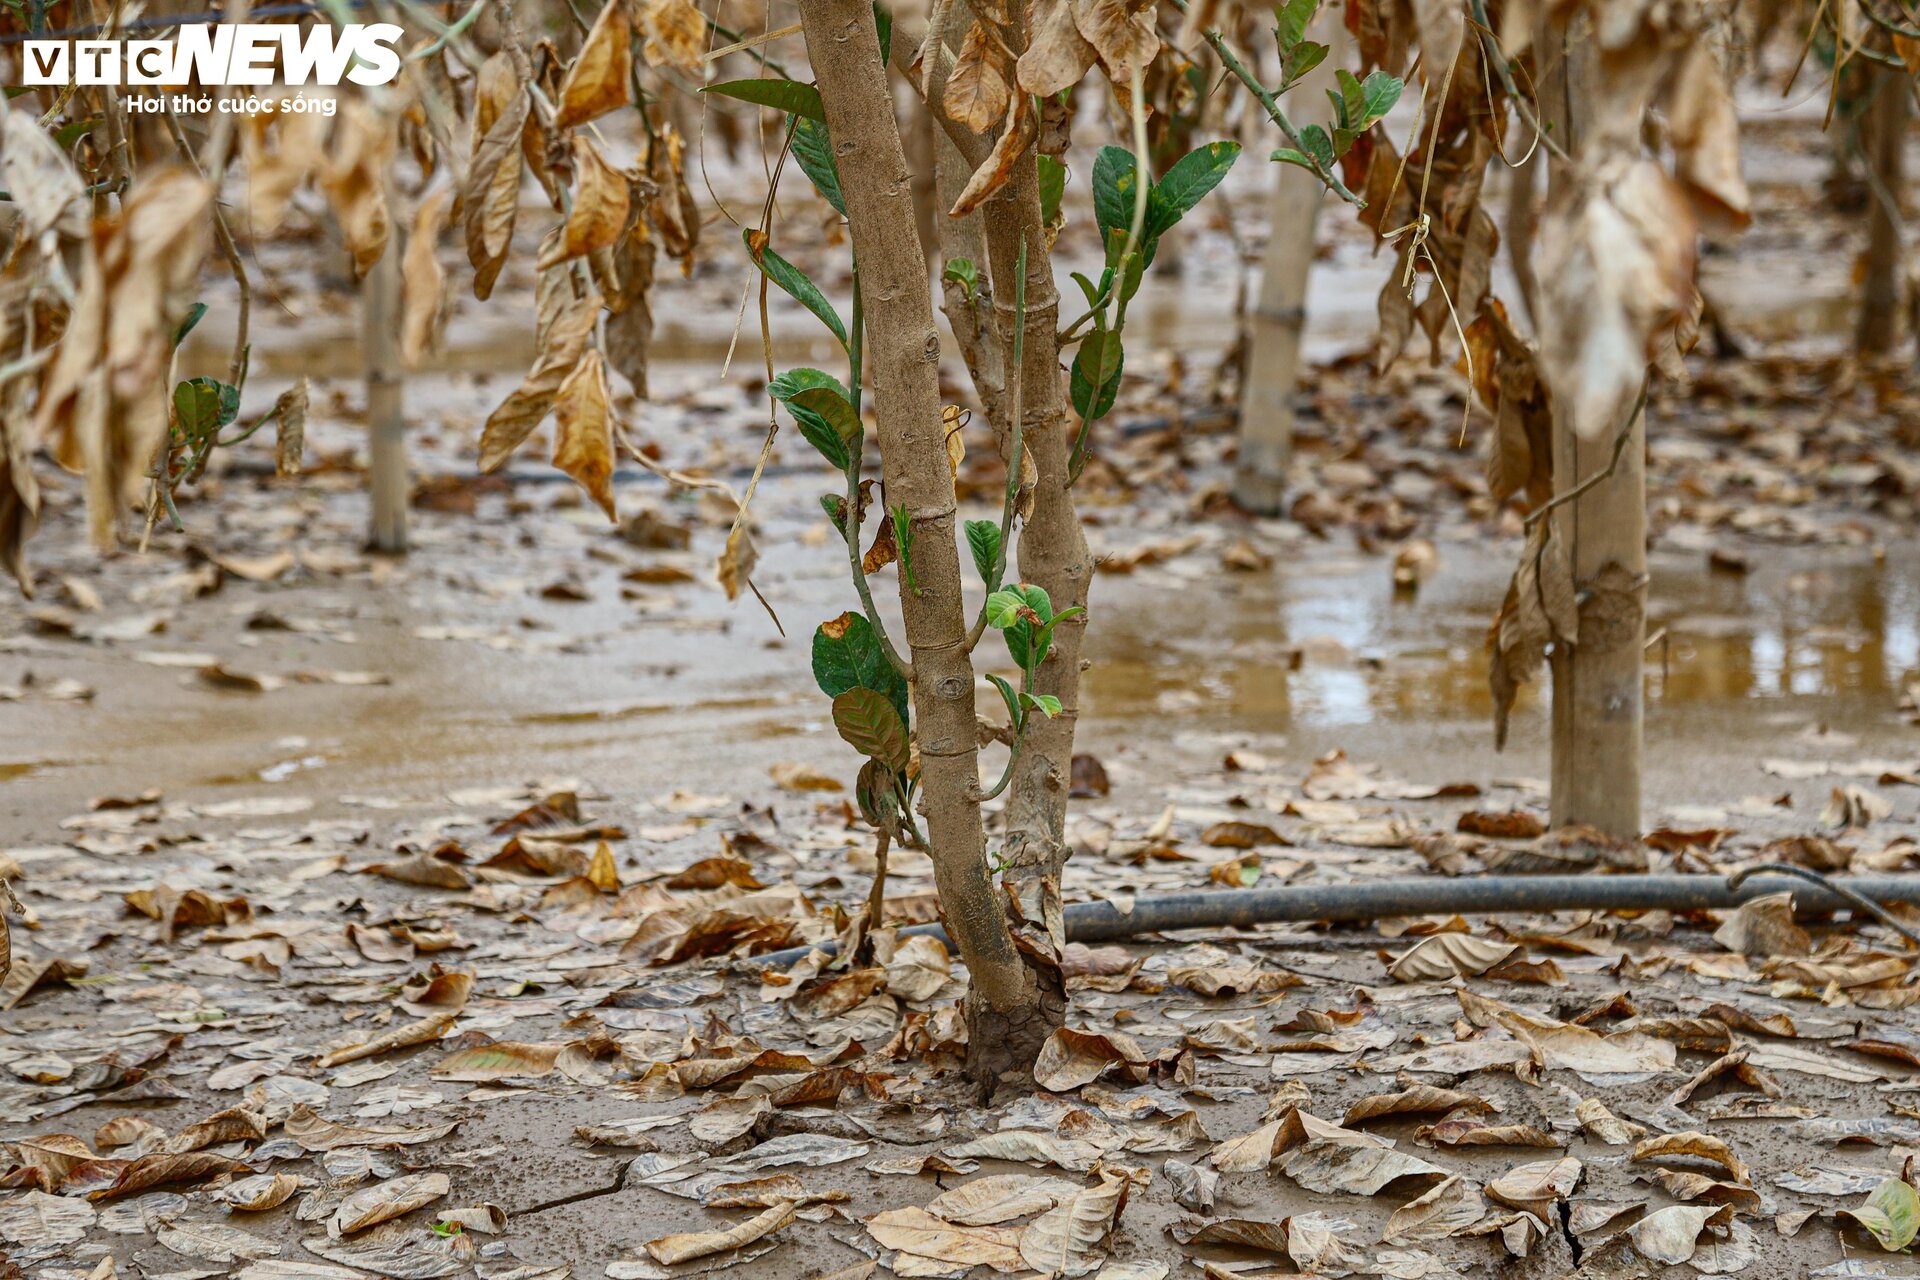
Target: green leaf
{"x":787,"y":385}
{"x":883,"y":27}
{"x":813,"y":151}
{"x":1380,"y":92}
{"x":1053,"y":186}
{"x":983,"y":538}
{"x":791,"y":96}
{"x":1187,"y":183}
{"x":1114,"y":190}
{"x":795,"y":388}
{"x":74,"y":130}
{"x":848,"y":655}
{"x":869,"y":724}
{"x":1293,"y":19}
{"x":1004,"y":607}
{"x":1891,"y":1214}
{"x":1348,"y":98}
{"x":1045,"y":703}
{"x":795,"y":282}
{"x":201,"y":406}
{"x":1016,"y":714}
{"x":964,"y":273}
{"x":833,"y":408}
{"x":1319,"y":147}
{"x":1025,"y":642}
{"x":1297,"y":61}
{"x":1095,"y":379}
{"x":194,"y":313}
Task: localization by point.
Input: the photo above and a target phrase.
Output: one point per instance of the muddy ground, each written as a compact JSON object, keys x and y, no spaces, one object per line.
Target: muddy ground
{"x":204,"y":750}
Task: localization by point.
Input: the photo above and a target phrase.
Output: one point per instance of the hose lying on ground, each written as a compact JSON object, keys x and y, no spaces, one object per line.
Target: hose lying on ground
{"x":1472,"y":895}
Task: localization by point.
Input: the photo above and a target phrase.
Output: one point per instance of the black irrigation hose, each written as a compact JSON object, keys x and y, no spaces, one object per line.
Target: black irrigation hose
{"x":1481,"y":895}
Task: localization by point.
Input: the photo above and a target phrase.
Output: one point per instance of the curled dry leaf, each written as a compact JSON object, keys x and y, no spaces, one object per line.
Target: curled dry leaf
{"x":405,"y":1036}
{"x":1764,"y":926}
{"x":1072,"y":1058}
{"x":1617,"y":265}
{"x":1449,"y":955}
{"x":1058,"y":55}
{"x":918,"y":968}
{"x":602,"y":203}
{"x":1440,"y":1211}
{"x":491,"y":197}
{"x":1670,"y":1235}
{"x":1001,"y":1198}
{"x":919,"y":1234}
{"x":600,"y":78}
{"x":583,"y":438}
{"x":1536,"y":1187}
{"x":389,"y":1199}
{"x":423,"y":283}
{"x":566,"y":309}
{"x":1700,"y":1146}
{"x":669,"y":1250}
{"x":977,"y":91}
{"x":258,"y":1193}
{"x":1414,"y":1100}
{"x":1064,"y":1241}
{"x":1018,"y":130}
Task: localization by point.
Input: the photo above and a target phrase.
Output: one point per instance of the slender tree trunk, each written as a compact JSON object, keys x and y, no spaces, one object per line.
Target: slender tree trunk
{"x":386,"y":407}
{"x":1597,"y":680}
{"x":1053,"y":555}
{"x":1883,"y":140}
{"x":1006,"y":1017}
{"x":1278,"y":317}
{"x":1051,"y":549}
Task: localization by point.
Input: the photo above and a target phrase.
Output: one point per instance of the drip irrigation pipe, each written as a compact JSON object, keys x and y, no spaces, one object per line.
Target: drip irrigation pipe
{"x":1481,"y":895}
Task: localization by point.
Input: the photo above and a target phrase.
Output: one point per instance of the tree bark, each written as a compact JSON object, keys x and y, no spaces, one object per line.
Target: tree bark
{"x":1006,"y":1014}
{"x":1597,"y":680}
{"x":386,"y":407}
{"x":1277,"y":320}
{"x":1883,"y":139}
{"x":1053,"y":550}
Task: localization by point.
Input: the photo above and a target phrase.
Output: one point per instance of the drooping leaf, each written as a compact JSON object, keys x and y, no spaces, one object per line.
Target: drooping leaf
{"x":601,"y":77}
{"x":813,"y":151}
{"x":1095,"y":380}
{"x":848,"y":655}
{"x":1016,"y":714}
{"x":193,"y":317}
{"x":1053,"y":186}
{"x":867,"y":722}
{"x":790,"y":96}
{"x":983,"y":539}
{"x":794,"y":282}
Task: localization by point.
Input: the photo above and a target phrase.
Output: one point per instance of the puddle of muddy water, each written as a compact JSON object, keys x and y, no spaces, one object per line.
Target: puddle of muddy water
{"x":1333,"y":645}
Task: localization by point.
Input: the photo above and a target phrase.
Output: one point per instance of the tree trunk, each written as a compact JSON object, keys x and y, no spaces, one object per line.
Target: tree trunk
{"x":1053,"y":555}
{"x":1597,"y":680}
{"x":386,"y":408}
{"x":1278,"y":317}
{"x":1007,"y":1018}
{"x":1883,"y":139}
